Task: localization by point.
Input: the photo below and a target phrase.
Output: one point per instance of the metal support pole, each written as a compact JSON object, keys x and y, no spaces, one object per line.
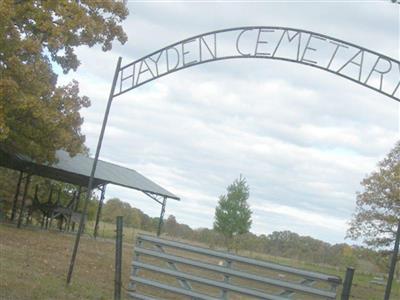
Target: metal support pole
{"x":393,"y":264}
{"x":71,"y":207}
{"x":118,"y":259}
{"x":31,"y":209}
{"x":49,"y":206}
{"x":57,"y":204}
{"x":44,"y":218}
{"x":78,"y":198}
{"x":348,"y":280}
{"x":21,"y":211}
{"x":90,"y":185}
{"x":76,"y":205}
{"x":14,"y":207}
{"x":36,"y":192}
{"x":96,"y":225}
{"x":160,"y":221}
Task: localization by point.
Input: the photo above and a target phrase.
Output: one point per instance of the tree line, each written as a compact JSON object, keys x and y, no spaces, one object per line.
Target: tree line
{"x":285,"y":244}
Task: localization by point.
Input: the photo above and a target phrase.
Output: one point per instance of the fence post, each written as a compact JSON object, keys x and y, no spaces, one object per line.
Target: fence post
{"x":393,"y":264}
{"x":348,"y":280}
{"x":118,"y":259}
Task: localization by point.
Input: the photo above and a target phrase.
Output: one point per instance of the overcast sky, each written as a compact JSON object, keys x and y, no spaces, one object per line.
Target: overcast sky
{"x":304,"y":138}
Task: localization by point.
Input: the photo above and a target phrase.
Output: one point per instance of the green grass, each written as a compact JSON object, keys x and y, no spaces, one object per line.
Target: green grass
{"x":34,"y":264}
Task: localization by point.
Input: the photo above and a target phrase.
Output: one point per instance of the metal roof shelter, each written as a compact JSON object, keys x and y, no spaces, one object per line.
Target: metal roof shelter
{"x":76,"y":170}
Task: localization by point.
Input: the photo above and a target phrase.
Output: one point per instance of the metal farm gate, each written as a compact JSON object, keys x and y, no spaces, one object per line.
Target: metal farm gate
{"x":181,"y":271}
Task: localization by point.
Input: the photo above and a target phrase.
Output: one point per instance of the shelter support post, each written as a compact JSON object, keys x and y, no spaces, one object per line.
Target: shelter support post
{"x":160,"y":221}
{"x":68,"y":224}
{"x":57,"y":203}
{"x":49,"y":204}
{"x":76,"y":205}
{"x":35,"y":196}
{"x":90,"y":185}
{"x":45,"y":213}
{"x":14,"y":207}
{"x":21,"y":211}
{"x":96,"y":225}
{"x":30,"y":210}
{"x":393,"y":264}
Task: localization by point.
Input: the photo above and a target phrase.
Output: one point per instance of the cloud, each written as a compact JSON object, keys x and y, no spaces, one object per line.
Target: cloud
{"x":304,"y":216}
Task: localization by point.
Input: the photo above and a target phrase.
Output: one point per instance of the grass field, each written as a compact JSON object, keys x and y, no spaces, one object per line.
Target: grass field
{"x":34,"y":264}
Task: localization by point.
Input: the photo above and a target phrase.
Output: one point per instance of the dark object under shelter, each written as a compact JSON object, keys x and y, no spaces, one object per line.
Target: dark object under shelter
{"x":76,"y":170}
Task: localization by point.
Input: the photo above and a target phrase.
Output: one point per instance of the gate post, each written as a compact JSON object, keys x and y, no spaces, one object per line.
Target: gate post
{"x":118,"y":259}
{"x":393,"y":264}
{"x":348,"y":280}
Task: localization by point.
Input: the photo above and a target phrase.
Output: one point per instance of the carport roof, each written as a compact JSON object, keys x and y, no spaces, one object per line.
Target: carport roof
{"x":76,"y":170}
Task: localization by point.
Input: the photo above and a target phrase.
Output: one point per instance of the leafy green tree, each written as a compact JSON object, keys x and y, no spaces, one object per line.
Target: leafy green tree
{"x":136,"y":217}
{"x":8,"y":183}
{"x":171,"y":225}
{"x":378,"y":206}
{"x":115,"y":207}
{"x":146,"y":223}
{"x":37,"y":117}
{"x":233,"y":214}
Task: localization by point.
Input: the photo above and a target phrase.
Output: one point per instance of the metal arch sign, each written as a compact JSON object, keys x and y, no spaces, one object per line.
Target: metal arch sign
{"x":368,"y":68}
{"x":363,"y":66}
